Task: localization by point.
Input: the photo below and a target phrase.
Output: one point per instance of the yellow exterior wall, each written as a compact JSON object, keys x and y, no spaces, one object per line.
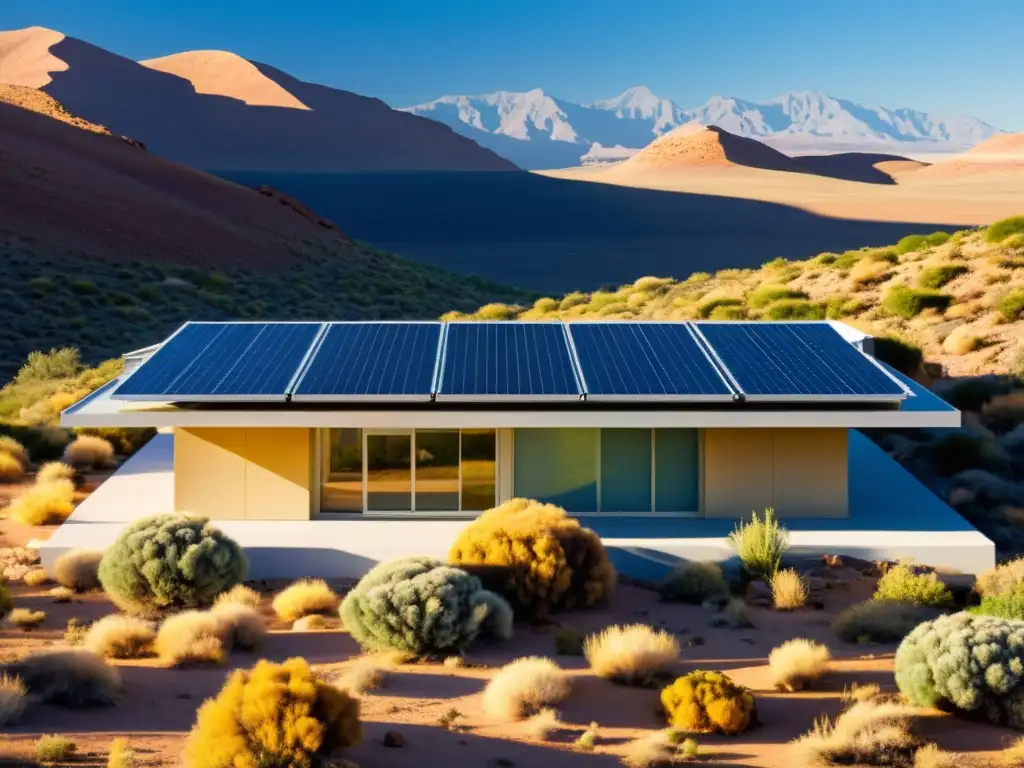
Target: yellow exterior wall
{"x":798,"y":472}
{"x":243,"y":474}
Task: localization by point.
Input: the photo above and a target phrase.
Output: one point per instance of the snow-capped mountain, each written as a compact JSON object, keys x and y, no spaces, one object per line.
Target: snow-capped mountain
{"x":536,"y":130}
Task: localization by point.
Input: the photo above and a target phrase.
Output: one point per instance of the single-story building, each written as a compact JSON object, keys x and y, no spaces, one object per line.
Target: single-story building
{"x":323,"y":448}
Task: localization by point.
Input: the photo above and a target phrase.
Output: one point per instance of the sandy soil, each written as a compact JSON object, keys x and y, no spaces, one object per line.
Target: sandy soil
{"x":159,"y":704}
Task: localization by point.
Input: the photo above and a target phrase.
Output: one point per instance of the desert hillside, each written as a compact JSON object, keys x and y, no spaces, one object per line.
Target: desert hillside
{"x":959,"y":297}
{"x":215,"y":110}
{"x":999,"y":157}
{"x":108,"y":247}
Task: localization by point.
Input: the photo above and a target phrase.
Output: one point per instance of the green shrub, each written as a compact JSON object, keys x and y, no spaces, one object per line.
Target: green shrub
{"x":936,"y":277}
{"x":727,"y":313}
{"x":704,"y":310}
{"x":537,"y":557}
{"x":422,"y":606}
{"x":908,"y":302}
{"x":905,"y":356}
{"x":795,"y":309}
{"x":708,"y":702}
{"x":1005,"y":579}
{"x":273,"y":715}
{"x":694,"y":583}
{"x":84,"y":287}
{"x":545,"y":305}
{"x":5,"y":600}
{"x":170,"y":561}
{"x":957,"y":451}
{"x":55,"y":749}
{"x":760,"y":544}
{"x":846,"y":260}
{"x":880,"y":621}
{"x":768,"y":294}
{"x":911,"y":243}
{"x":56,"y":364}
{"x":824,"y":259}
{"x":972,"y":663}
{"x":838,"y":307}
{"x":972,"y":394}
{"x":1012,"y":305}
{"x":1003,"y":606}
{"x":1002,"y":229}
{"x":902,"y":584}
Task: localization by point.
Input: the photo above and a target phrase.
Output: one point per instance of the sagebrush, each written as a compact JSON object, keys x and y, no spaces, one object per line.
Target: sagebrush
{"x":798,"y":663}
{"x":70,"y":678}
{"x":708,"y":702}
{"x":694,"y":582}
{"x":78,"y":569}
{"x":760,"y":543}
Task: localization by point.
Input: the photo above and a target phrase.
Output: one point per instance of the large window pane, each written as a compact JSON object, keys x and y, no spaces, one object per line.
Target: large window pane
{"x":479,"y":449}
{"x":437,"y":470}
{"x":558,"y":466}
{"x":388,"y":473}
{"x":342,"y":474}
{"x":676,"y":470}
{"x":625,"y":470}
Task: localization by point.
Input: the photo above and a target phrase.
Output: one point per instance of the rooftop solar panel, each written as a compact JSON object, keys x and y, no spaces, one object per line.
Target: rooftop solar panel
{"x":645,"y":361}
{"x":796,"y":361}
{"x":371,"y":362}
{"x":507,"y":360}
{"x":222,"y":361}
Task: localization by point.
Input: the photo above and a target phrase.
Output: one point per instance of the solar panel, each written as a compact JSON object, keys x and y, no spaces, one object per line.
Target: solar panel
{"x":509,"y":360}
{"x":222,"y":361}
{"x":371,"y":362}
{"x":796,"y":361}
{"x":645,"y":361}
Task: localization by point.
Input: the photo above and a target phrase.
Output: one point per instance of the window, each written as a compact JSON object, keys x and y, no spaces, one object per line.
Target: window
{"x":423,"y":471}
{"x":609,"y":470}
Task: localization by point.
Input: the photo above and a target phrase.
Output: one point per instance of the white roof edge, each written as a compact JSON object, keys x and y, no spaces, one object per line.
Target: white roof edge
{"x":143,"y":350}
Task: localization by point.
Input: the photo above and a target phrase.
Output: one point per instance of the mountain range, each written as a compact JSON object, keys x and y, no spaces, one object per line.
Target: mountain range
{"x":536,"y":130}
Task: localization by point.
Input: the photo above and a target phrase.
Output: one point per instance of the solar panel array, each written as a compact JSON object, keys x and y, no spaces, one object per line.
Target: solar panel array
{"x":509,"y":361}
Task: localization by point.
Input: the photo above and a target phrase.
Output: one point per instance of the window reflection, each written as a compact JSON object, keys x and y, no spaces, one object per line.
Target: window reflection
{"x":478,"y":464}
{"x":437,"y":470}
{"x":342,"y":474}
{"x":388,"y":473}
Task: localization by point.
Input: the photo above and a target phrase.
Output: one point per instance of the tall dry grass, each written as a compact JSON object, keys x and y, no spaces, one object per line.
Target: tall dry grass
{"x":633,"y":655}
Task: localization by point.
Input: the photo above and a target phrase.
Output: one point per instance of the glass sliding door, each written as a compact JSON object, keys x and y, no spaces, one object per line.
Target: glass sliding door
{"x":437,"y":470}
{"x":389,"y":472}
{"x":626,"y":470}
{"x":479,"y":455}
{"x":341,"y":473}
{"x":558,"y":466}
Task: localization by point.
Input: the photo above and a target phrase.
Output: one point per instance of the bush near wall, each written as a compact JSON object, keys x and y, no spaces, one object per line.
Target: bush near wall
{"x":170,"y":561}
{"x":537,"y":557}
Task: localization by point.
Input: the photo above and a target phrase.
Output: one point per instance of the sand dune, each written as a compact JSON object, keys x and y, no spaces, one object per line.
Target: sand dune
{"x":866,"y":167}
{"x":222,"y":73}
{"x":1003,"y":155}
{"x":235,"y":115}
{"x":697,"y":146}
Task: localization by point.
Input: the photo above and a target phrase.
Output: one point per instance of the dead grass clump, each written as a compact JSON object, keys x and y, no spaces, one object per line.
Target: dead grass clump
{"x":798,"y":664}
{"x":62,"y":594}
{"x":652,"y":751}
{"x":241,"y":595}
{"x":25,"y":619}
{"x":632,"y":655}
{"x":36,"y":578}
{"x":866,"y":734}
{"x":1002,"y":580}
{"x":191,"y":637}
{"x":312,"y":623}
{"x":120,"y":637}
{"x":12,"y":699}
{"x":55,"y":749}
{"x":45,"y":504}
{"x":10,"y":469}
{"x":52,"y":471}
{"x":121,"y":754}
{"x":11,"y":447}
{"x":862,"y":692}
{"x":78,"y":569}
{"x":71,"y":678}
{"x":543,"y":725}
{"x":367,"y":673}
{"x":524,"y":687}
{"x":789,"y":591}
{"x":89,"y":452}
{"x":241,"y":626}
{"x":75,"y":631}
{"x":305,"y":597}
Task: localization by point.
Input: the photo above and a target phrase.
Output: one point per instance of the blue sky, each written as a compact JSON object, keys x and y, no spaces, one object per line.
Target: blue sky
{"x":936,"y":55}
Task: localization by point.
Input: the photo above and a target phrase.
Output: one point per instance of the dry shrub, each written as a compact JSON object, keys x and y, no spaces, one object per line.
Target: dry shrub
{"x":366,"y":673}
{"x":23,"y":618}
{"x":62,"y":594}
{"x":1013,"y":755}
{"x":863,"y":692}
{"x":798,"y":664}
{"x":75,"y":631}
{"x":312,"y":623}
{"x":78,"y":569}
{"x":1002,"y":580}
{"x":880,"y":621}
{"x":11,"y":447}
{"x":930,"y":756}
{"x":789,"y":591}
{"x":46,"y":504}
{"x":905,"y":584}
{"x":633,"y":655}
{"x":652,"y":751}
{"x":537,"y":556}
{"x":10,"y":469}
{"x":525,"y":686}
{"x":541,"y":726}
{"x":588,"y":739}
{"x":71,"y":678}
{"x":191,"y":636}
{"x":89,"y":452}
{"x":120,"y":637}
{"x":54,"y":470}
{"x":273,"y":714}
{"x":54,"y":749}
{"x":121,"y":754}
{"x":866,"y":734}
{"x":240,"y":594}
{"x":241,"y":626}
{"x":694,"y":582}
{"x":708,"y":702}
{"x":35,"y":578}
{"x":304,"y":598}
{"x":12,"y":699}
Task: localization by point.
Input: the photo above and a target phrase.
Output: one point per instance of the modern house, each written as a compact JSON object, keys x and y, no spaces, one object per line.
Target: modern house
{"x":323,"y":448}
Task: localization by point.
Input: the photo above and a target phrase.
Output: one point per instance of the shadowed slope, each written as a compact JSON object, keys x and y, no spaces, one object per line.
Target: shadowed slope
{"x":867,"y":167}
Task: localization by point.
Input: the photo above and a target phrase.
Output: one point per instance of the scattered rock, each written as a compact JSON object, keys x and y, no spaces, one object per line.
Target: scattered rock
{"x":290,"y":202}
{"x":394,"y":739}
